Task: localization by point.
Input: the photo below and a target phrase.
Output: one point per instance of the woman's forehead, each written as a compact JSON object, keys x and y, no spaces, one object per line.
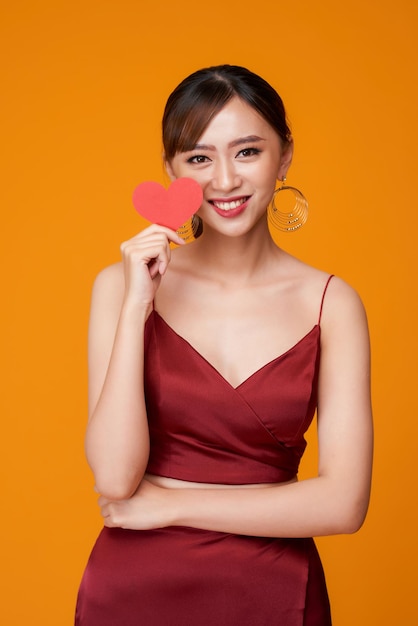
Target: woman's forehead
{"x":237,"y":120}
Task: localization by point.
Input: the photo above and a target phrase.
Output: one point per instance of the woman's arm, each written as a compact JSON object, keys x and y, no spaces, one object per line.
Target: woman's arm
{"x":117,"y":440}
{"x":336,"y":500}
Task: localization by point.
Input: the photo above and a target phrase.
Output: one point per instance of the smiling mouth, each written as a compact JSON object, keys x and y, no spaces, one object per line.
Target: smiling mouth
{"x":228,"y":206}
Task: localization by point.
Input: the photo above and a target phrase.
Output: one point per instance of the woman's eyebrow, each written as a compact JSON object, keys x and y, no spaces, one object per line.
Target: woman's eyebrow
{"x":237,"y":142}
{"x":248,"y":139}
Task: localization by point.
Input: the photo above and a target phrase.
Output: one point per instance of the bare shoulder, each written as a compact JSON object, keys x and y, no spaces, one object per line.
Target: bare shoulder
{"x":109,"y":281}
{"x":306,"y":282}
{"x":339,"y":296}
{"x":108,"y":289}
{"x":110,"y":277}
{"x":342,"y":303}
{"x":339,"y":304}
{"x":344,"y":327}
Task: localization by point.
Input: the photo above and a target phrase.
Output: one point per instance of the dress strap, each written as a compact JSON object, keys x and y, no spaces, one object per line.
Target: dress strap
{"x":323,"y":297}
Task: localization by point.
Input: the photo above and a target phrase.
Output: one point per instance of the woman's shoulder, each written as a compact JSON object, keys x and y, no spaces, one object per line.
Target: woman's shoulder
{"x":312,"y":278}
{"x":340,"y":307}
{"x":112,"y":274}
{"x":340,"y":300}
{"x":109,"y":282}
{"x":342,"y":303}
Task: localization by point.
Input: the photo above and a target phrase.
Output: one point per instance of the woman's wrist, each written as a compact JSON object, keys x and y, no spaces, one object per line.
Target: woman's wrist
{"x":135,"y":310}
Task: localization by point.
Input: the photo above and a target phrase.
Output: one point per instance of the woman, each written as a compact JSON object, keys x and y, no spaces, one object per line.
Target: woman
{"x":206,"y":365}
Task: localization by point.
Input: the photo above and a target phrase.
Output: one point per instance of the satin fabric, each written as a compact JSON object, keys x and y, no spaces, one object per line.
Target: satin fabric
{"x":204,"y":430}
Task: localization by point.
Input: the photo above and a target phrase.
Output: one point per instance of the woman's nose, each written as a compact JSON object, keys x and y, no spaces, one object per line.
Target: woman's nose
{"x":225,"y":176}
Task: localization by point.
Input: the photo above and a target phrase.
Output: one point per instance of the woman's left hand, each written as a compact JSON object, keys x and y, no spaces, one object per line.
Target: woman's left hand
{"x":147,"y":509}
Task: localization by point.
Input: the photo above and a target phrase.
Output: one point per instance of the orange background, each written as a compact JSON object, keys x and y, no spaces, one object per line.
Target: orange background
{"x":84,"y":85}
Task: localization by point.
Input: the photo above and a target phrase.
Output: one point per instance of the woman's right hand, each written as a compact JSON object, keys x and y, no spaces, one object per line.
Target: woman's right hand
{"x":145,"y":260}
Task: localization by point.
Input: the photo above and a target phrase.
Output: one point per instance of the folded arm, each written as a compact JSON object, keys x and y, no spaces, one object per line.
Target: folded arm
{"x":336,"y":500}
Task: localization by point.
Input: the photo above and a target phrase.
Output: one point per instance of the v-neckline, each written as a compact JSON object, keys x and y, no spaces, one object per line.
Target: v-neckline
{"x":251,"y":376}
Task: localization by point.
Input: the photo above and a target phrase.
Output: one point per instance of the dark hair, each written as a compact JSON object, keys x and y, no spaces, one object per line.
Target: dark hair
{"x":200,"y":96}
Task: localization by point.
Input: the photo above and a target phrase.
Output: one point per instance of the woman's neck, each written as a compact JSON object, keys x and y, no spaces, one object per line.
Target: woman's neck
{"x":235,"y":260}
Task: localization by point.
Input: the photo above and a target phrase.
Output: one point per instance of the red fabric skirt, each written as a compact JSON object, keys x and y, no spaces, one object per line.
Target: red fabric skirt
{"x":180,"y":576}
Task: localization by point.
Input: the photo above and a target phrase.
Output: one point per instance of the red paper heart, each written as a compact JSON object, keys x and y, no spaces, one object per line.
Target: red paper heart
{"x":170,"y":207}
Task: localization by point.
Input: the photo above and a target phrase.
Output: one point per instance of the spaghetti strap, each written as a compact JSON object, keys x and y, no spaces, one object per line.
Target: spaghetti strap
{"x":323,"y":298}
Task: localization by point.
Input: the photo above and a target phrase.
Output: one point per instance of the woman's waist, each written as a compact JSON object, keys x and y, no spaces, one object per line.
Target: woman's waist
{"x":176,"y":483}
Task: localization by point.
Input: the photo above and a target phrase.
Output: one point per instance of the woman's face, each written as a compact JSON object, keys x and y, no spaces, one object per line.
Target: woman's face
{"x":236,"y":161}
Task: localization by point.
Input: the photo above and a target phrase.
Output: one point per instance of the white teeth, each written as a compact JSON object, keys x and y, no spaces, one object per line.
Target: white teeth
{"x":228,"y":206}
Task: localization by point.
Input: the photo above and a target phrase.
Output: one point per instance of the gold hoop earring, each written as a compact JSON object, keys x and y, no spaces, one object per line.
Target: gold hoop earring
{"x":293,"y":220}
{"x":192,"y":229}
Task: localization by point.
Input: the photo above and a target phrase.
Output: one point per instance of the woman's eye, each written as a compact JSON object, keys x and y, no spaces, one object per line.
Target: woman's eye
{"x":198,"y":158}
{"x":247,"y":152}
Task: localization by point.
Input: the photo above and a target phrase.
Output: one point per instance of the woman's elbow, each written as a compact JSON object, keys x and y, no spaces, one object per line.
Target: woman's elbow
{"x":351,"y":517}
{"x":352,"y":524}
{"x":115,"y":492}
{"x":117,"y":487}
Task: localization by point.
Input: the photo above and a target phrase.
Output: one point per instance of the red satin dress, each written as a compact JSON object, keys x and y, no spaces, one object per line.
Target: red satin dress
{"x":204,"y":430}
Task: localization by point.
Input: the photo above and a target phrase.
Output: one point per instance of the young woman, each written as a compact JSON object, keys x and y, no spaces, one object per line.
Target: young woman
{"x":207,"y":362}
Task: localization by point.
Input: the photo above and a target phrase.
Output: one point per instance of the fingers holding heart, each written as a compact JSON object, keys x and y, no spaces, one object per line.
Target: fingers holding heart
{"x":146,"y":256}
{"x":145,"y":259}
{"x":150,"y":248}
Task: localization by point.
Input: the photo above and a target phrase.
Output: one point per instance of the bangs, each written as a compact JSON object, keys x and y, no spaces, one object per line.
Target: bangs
{"x":186,"y":119}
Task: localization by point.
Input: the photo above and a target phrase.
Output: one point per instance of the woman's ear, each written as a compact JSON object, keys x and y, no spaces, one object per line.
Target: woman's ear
{"x":286,"y":160}
{"x":169,"y":169}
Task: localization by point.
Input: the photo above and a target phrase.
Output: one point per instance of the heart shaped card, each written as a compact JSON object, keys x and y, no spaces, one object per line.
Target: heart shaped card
{"x":170,"y":207}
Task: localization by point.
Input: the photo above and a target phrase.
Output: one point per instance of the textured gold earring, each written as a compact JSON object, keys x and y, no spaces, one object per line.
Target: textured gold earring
{"x":192,"y":229}
{"x":295,"y":218}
